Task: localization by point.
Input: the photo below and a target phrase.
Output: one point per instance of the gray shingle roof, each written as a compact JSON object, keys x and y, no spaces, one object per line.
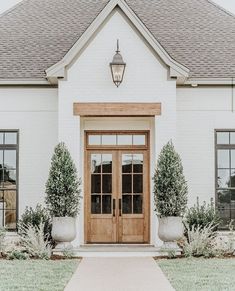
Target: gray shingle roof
{"x":37,"y":34}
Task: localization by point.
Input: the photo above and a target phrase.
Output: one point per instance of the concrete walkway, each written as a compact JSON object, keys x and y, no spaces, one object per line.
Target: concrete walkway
{"x":118,"y":274}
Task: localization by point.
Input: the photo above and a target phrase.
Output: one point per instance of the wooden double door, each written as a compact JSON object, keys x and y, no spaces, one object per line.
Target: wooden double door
{"x":117,"y":196}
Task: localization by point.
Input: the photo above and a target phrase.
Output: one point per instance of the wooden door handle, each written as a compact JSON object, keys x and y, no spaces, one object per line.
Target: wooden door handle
{"x":114,"y":207}
{"x":120,"y":207}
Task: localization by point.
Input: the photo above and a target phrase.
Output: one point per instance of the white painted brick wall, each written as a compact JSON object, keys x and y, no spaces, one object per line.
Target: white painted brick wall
{"x":34,"y":112}
{"x":199,"y":112}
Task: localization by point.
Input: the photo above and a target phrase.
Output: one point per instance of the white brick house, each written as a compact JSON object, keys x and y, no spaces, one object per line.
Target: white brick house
{"x":54,"y":62}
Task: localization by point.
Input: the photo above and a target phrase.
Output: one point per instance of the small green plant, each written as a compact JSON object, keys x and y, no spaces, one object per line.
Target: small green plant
{"x":170,"y":187}
{"x":202,"y":216}
{"x":34,"y":241}
{"x":35,"y":217}
{"x":171,"y":253}
{"x":68,"y":253}
{"x":2,"y":238}
{"x":63,"y":185}
{"x":17,"y":255}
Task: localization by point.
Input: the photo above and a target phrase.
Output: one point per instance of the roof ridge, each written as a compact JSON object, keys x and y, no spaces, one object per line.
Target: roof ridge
{"x":12,"y":8}
{"x":221,"y":8}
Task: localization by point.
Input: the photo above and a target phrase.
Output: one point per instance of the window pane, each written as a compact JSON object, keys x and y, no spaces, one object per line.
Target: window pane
{"x":232,"y":137}
{"x":94,"y":140}
{"x":107,"y":163}
{"x":109,"y":139}
{"x":224,"y":214}
{"x":223,"y":178}
{"x":126,"y":184}
{"x":222,"y":137}
{"x":1,"y":137}
{"x":10,"y":159}
{"x":127,"y":204}
{"x":1,"y":158}
{"x":10,"y":199}
{"x":233,"y":195}
{"x":95,"y":204}
{"x":10,"y":219}
{"x":106,"y":204}
{"x":10,"y":138}
{"x":137,"y":204}
{"x":126,"y":163}
{"x":232,"y":178}
{"x":138,"y":163}
{"x":137,"y":183}
{"x":224,"y":198}
{"x":95,"y":163}
{"x":124,"y":140}
{"x":233,"y":159}
{"x":139,"y":139}
{"x":95,"y":183}
{"x":223,"y":159}
{"x":106,"y":183}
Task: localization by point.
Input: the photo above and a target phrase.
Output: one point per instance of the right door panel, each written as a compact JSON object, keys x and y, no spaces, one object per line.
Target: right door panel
{"x":133,"y":197}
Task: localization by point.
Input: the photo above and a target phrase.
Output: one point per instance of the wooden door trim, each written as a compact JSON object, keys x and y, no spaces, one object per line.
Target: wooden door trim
{"x":93,"y":109}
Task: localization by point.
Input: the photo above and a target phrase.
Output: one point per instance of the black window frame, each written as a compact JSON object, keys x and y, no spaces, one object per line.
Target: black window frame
{"x":13,"y":147}
{"x":222,"y":147}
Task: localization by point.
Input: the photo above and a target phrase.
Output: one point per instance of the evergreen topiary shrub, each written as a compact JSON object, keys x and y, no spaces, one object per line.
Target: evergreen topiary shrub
{"x":170,"y":187}
{"x":63,"y":185}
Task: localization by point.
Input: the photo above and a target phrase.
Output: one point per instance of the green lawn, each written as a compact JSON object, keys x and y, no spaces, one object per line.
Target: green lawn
{"x":37,"y":275}
{"x":200,"y":274}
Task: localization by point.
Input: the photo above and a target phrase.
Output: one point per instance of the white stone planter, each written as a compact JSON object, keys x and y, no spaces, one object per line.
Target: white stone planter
{"x":63,"y":231}
{"x":170,"y":229}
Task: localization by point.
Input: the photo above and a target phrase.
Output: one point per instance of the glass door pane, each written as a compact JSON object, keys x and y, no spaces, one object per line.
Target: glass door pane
{"x":132,"y":183}
{"x":101,"y":183}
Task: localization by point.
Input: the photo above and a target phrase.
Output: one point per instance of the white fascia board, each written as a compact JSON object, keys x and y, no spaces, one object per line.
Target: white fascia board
{"x":58,"y":69}
{"x":24,"y":82}
{"x":210,"y":81}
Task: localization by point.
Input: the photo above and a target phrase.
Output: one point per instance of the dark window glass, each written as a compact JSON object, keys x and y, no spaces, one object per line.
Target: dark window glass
{"x":225,"y":149}
{"x":127,"y":204}
{"x":127,"y":163}
{"x":138,"y":163}
{"x":95,"y":204}
{"x":95,"y":183}
{"x":138,"y":183}
{"x":8,"y":180}
{"x":137,"y":204}
{"x":126,"y":183}
{"x":96,"y":163}
{"x":106,"y":183}
{"x":107,"y":163}
{"x":106,"y":204}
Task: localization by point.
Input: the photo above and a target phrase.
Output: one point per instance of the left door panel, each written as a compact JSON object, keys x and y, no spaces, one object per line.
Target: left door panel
{"x":101,"y":202}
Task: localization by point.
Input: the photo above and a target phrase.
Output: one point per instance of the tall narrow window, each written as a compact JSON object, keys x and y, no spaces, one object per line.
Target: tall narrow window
{"x":225,"y":175}
{"x":8,"y":179}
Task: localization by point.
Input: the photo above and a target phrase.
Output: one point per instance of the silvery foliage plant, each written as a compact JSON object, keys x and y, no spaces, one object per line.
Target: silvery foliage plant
{"x":170,"y":186}
{"x":63,"y":185}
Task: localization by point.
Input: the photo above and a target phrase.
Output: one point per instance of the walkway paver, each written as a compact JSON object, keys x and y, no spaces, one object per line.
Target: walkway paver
{"x":118,"y":274}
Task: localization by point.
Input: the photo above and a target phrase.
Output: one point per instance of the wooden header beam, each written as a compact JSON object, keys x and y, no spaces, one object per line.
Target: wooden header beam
{"x":116,"y":109}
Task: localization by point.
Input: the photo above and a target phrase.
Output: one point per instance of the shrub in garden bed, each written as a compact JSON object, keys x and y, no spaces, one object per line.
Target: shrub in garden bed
{"x":35,"y":217}
{"x":202,"y":216}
